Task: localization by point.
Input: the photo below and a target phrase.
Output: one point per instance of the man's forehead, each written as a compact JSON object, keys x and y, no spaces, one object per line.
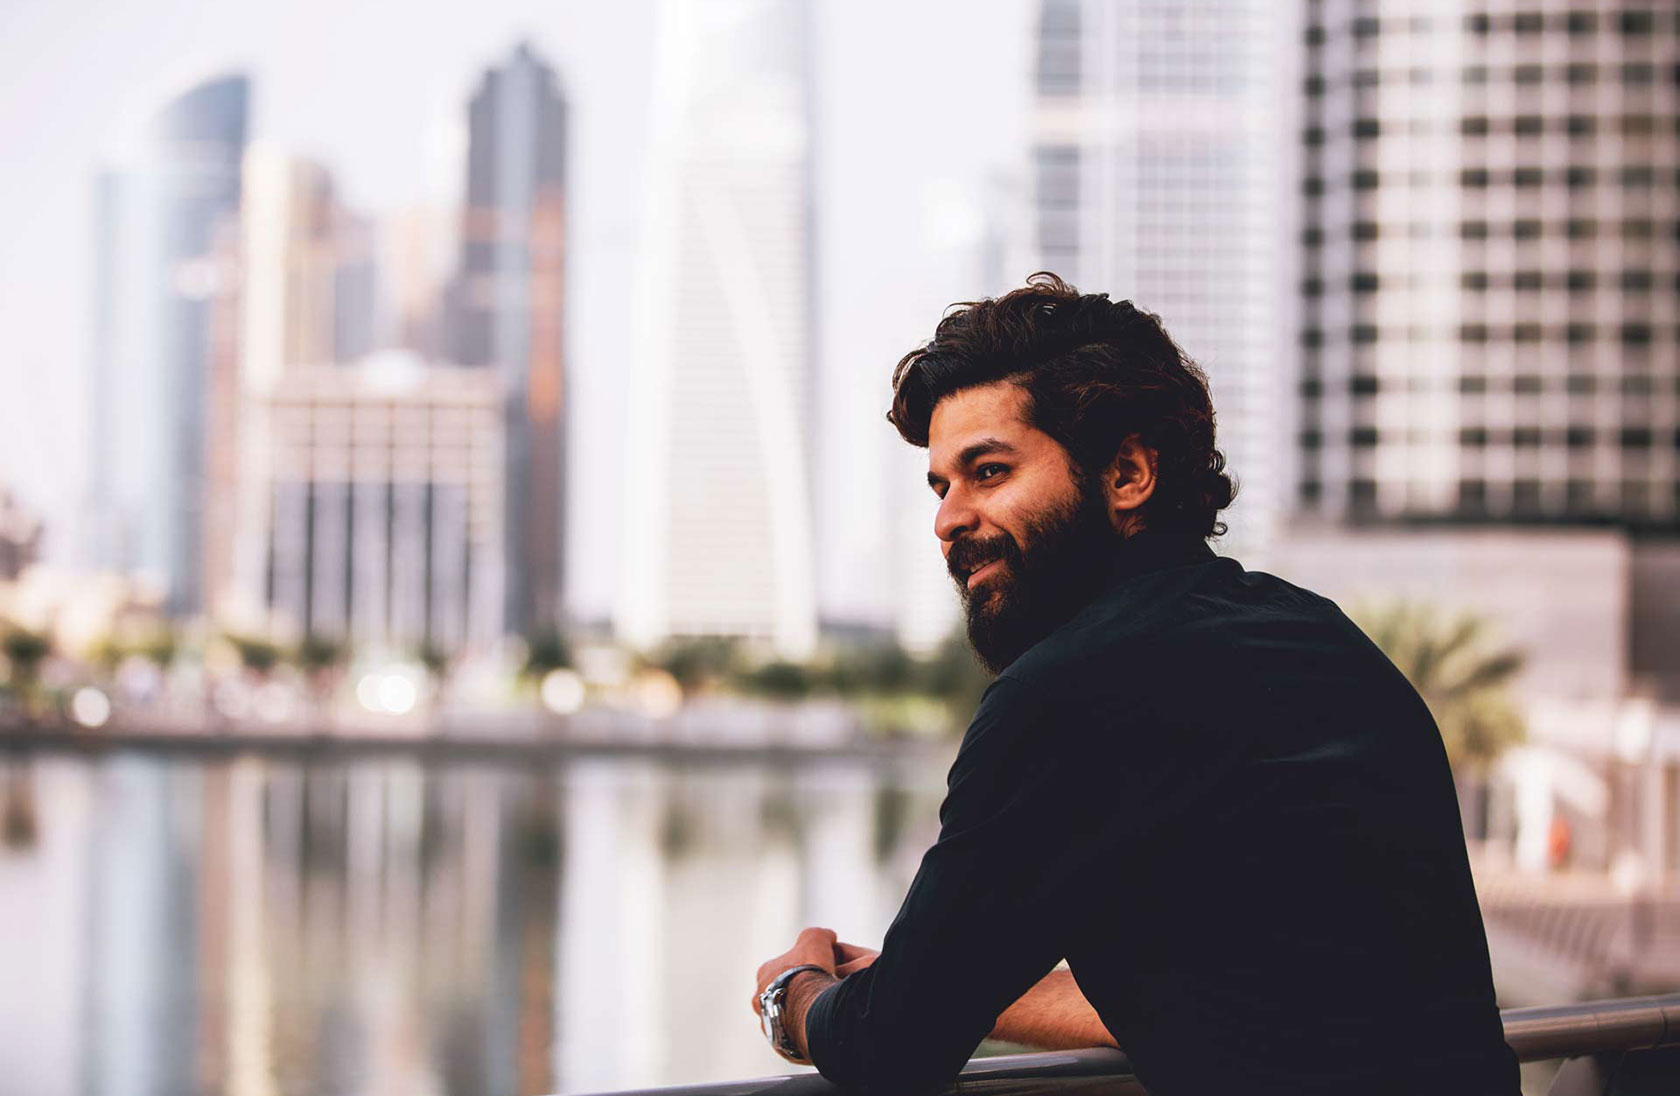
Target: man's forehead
{"x":990,"y":410}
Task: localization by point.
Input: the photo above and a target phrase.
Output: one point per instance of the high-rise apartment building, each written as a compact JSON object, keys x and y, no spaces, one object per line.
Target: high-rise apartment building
{"x":717,"y":503}
{"x":1158,"y":176}
{"x":386,"y":500}
{"x":1489,"y":260}
{"x":508,"y":312}
{"x":162,"y":219}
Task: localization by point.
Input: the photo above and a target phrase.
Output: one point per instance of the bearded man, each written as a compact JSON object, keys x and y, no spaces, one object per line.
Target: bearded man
{"x":1202,"y":786}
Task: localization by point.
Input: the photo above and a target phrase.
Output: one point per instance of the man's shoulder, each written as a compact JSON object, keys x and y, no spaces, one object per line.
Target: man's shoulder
{"x":1216,"y":603}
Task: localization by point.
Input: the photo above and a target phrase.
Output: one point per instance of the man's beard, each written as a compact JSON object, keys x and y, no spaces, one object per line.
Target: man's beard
{"x":1037,"y":589}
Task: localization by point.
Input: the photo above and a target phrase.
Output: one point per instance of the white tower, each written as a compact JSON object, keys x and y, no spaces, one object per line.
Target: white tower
{"x":718,"y":508}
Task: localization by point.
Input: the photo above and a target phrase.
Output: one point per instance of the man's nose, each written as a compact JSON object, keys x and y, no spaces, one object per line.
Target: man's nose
{"x":956,"y":516}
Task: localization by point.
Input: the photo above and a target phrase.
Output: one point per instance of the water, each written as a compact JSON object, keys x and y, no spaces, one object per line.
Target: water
{"x":252,"y":927}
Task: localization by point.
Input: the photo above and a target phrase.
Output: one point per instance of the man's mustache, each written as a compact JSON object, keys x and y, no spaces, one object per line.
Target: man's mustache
{"x":969,"y":555}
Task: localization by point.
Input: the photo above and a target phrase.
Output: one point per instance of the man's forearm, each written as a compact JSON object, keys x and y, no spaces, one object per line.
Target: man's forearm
{"x":1053,"y":1015}
{"x":801,"y":991}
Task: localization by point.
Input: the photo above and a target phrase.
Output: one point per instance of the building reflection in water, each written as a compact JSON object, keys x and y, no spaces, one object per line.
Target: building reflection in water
{"x":263,"y":928}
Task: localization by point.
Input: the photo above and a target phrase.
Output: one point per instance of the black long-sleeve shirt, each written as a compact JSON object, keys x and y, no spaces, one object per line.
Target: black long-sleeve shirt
{"x":1232,"y":815}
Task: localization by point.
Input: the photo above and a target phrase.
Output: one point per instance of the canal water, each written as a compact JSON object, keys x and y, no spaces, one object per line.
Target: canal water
{"x":255,"y":927}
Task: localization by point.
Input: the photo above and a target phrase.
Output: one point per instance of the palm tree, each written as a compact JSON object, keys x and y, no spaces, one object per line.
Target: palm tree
{"x":1464,"y":679}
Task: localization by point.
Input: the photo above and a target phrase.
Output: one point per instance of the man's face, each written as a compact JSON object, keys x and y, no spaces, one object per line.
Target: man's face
{"x":1026,"y":534}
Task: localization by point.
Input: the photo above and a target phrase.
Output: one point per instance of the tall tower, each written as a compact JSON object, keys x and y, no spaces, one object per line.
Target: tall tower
{"x":508,"y":310}
{"x":1489,"y":261}
{"x":162,"y":220}
{"x":717,"y":507}
{"x":1157,"y":176}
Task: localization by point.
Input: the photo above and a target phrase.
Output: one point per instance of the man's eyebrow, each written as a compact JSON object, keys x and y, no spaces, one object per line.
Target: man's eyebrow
{"x":969,"y":453}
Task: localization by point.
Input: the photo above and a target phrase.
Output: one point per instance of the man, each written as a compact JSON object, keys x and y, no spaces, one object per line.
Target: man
{"x":1202,"y":786}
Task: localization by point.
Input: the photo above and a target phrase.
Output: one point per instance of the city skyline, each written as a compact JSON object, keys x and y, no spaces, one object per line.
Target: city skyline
{"x":611,"y":125}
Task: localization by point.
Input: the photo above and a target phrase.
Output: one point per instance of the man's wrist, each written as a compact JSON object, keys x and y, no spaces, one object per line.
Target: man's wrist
{"x":802,"y":990}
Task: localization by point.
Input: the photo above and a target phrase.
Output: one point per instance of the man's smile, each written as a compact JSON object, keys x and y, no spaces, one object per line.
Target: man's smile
{"x":981,"y":570}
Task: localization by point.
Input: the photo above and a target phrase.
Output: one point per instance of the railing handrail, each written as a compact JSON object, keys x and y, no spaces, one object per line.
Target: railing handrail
{"x":1536,"y":1034}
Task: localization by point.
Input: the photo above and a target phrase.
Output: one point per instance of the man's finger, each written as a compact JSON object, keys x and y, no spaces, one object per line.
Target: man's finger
{"x":855,"y":965}
{"x":845,"y":953}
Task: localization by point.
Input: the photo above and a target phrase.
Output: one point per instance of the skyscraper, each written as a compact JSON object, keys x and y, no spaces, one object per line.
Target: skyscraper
{"x":159,"y":219}
{"x":717,"y":506}
{"x":508,"y":313}
{"x":1158,"y":177}
{"x":1490,"y":251}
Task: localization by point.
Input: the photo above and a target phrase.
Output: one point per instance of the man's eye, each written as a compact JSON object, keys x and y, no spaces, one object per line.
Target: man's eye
{"x":980,"y":473}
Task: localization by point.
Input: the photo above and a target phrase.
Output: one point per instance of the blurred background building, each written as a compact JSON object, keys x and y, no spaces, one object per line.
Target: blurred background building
{"x":508,"y":310}
{"x":160,"y":215}
{"x":718,"y":523}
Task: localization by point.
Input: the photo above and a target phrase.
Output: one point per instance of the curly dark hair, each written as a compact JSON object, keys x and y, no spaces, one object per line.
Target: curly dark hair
{"x":1095,"y":372}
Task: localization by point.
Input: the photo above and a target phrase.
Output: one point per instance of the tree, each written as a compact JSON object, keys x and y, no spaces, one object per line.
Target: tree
{"x":1464,"y":679}
{"x":545,"y":650}
{"x":258,"y":656}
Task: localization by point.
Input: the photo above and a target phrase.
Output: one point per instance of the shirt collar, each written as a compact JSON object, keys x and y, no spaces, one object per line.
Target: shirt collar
{"x":1154,"y":550}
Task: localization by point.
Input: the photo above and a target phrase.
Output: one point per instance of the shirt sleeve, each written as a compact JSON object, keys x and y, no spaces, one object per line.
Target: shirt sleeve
{"x":983,"y":920}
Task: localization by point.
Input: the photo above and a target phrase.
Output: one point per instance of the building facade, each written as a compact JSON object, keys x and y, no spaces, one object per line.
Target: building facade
{"x":508,"y":313}
{"x":161,"y":220}
{"x":385,"y":501}
{"x":1157,"y":177}
{"x":717,"y":508}
{"x":1489,"y":254}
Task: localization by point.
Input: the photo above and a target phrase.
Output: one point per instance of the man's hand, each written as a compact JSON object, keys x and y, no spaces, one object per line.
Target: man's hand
{"x":817,"y":947}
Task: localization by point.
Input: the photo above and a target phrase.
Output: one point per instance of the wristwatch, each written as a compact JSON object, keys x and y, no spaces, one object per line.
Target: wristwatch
{"x":770,"y":1011}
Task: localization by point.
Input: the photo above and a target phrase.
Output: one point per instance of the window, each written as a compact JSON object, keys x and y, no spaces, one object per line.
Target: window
{"x":1472,"y":495}
{"x":1527,"y":281}
{"x":1636,"y":281}
{"x":1312,"y":439}
{"x":1314,"y":86}
{"x":1363,"y":437}
{"x":1578,"y":437}
{"x":1526,"y":228}
{"x":1525,"y":496}
{"x":1312,"y":388}
{"x":1638,"y":73}
{"x":1579,"y":281}
{"x":1473,"y":437}
{"x":1363,"y":384}
{"x":1474,"y":75}
{"x":1363,"y":282}
{"x":1472,"y":384}
{"x":1579,"y":73}
{"x":1527,"y":177}
{"x":1312,"y":287}
{"x":1526,"y":332}
{"x":1527,"y":125}
{"x":1312,"y":337}
{"x":1581,"y":22}
{"x":1638,"y":228}
{"x":1638,"y":125}
{"x":1365,"y":230}
{"x":1478,"y":24}
{"x":1578,"y":334}
{"x":1526,"y":437}
{"x":1363,"y":333}
{"x":1474,"y":125}
{"x":1581,"y":125}
{"x":1312,"y":136}
{"x":1365,"y":129}
{"x":1580,"y":177}
{"x":1528,"y":22}
{"x":1473,"y":177}
{"x":1581,"y":228}
{"x":1529,"y":74}
{"x":1635,"y":437}
{"x":1636,"y":22}
{"x":1312,"y":237}
{"x":1473,"y":333}
{"x":1473,"y":230}
{"x":1473,"y":279}
{"x":1312,"y":186}
{"x":1636,"y":334}
{"x":1365,"y":180}
{"x":1581,"y":384}
{"x":1315,"y":35}
{"x":1638,"y":384}
{"x":1638,"y":176}
{"x":1526,"y":384}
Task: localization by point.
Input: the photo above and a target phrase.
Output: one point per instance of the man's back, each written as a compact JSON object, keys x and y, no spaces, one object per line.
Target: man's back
{"x":1266,"y":879}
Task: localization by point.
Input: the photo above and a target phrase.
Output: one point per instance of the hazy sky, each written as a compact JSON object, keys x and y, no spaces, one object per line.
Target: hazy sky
{"x":921,"y":108}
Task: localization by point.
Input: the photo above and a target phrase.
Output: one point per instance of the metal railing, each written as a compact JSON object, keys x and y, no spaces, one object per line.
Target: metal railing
{"x":1632,"y":1041}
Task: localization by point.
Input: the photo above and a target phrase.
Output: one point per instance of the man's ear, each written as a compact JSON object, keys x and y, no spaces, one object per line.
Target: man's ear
{"x":1128,"y":483}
